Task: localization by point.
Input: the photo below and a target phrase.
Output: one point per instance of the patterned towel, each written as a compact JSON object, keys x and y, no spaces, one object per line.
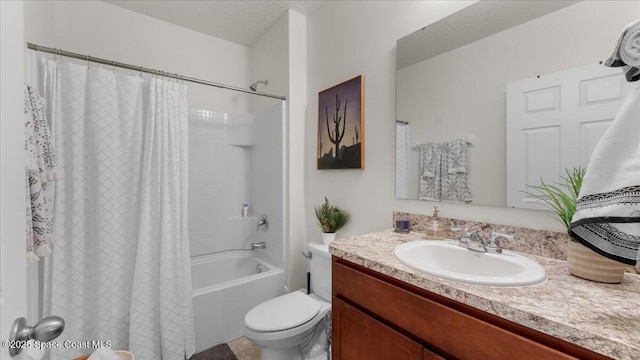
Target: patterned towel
{"x":456,"y":184}
{"x":430,"y":182}
{"x":40,"y":170}
{"x":445,"y":172}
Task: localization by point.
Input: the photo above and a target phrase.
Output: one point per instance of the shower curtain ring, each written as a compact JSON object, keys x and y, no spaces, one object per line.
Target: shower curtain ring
{"x":140,"y":72}
{"x":88,"y":63}
{"x":114,"y":67}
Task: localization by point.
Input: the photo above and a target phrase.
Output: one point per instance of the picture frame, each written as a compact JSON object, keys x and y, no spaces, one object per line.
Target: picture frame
{"x":341,"y":126}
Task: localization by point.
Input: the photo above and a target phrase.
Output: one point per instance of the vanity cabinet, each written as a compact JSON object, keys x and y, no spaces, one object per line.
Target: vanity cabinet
{"x":364,"y":337}
{"x":379,"y":317}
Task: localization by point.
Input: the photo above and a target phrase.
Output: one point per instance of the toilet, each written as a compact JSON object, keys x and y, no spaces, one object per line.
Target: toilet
{"x":292,"y":326}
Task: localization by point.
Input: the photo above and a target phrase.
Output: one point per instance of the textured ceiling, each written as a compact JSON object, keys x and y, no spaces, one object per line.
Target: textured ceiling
{"x":238,"y":21}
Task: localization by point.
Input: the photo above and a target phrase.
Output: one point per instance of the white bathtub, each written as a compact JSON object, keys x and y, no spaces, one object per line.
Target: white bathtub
{"x":225,"y":287}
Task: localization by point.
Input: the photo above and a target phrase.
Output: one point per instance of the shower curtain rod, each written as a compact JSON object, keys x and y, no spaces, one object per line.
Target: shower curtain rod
{"x":141,"y":69}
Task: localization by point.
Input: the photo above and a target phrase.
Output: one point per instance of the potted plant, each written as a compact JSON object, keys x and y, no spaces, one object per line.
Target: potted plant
{"x":330,"y":219}
{"x":582,"y":261}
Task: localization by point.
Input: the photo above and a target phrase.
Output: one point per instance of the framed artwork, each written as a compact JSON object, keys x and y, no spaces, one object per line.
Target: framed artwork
{"x":341,"y":126}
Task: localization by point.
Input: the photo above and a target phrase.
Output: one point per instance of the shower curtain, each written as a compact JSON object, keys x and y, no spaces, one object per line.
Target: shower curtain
{"x":120,"y":270}
{"x":402,"y":143}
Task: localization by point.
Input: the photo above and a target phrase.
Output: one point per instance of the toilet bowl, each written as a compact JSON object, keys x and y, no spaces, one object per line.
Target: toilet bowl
{"x":292,"y":326}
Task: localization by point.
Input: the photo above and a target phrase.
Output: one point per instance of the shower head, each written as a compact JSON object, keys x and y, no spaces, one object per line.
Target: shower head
{"x":254,"y":86}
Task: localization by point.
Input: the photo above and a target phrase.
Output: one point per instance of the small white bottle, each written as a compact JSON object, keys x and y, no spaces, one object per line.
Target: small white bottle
{"x":245,"y":210}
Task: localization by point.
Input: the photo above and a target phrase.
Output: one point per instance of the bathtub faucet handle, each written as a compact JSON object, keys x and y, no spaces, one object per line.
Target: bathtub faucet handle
{"x":307,"y":254}
{"x":263,"y":222}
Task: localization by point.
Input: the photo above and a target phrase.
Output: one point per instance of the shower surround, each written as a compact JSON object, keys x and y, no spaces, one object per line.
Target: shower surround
{"x":234,"y":158}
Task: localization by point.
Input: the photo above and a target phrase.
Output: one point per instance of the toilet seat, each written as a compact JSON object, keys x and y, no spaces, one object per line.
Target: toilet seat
{"x":282,"y":313}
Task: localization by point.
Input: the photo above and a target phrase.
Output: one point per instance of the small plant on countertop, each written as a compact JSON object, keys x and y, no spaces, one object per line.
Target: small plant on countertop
{"x":330,"y":218}
{"x":563,"y":196}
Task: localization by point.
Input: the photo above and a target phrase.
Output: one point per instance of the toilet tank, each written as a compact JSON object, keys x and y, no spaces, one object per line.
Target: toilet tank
{"x":320,"y":270}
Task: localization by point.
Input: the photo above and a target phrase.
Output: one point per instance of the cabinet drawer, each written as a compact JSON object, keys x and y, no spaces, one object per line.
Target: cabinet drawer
{"x":448,"y":330}
{"x":358,"y":336}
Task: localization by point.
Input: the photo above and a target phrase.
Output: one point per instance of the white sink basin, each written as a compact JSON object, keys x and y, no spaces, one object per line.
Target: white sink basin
{"x":447,"y":260}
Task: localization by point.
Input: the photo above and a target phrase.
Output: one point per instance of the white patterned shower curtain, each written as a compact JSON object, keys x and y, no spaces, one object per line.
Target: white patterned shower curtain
{"x":120,"y":268}
{"x":402,"y":153}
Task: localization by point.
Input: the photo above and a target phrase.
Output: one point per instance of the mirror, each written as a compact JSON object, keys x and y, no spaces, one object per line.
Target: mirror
{"x":452,"y":76}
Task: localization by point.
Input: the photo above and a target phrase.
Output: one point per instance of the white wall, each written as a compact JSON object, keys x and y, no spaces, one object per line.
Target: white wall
{"x":13,"y":278}
{"x":297,"y":101}
{"x":269,"y":60}
{"x":462,"y":92}
{"x":106,"y":31}
{"x":357,"y":37}
{"x":280,"y":55}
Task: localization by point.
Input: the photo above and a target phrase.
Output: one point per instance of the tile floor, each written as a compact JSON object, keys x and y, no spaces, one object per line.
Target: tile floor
{"x":244,"y":349}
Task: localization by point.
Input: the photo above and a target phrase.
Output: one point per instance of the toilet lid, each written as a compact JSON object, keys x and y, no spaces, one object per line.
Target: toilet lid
{"x":282,"y":313}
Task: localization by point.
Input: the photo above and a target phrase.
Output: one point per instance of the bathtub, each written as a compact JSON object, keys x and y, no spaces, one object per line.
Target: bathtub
{"x":225,"y":287}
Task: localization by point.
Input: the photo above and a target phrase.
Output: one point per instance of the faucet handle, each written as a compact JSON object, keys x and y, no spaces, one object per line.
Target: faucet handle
{"x":496,"y":235}
{"x":263,"y":222}
{"x":493,"y":240}
{"x":466,"y":236}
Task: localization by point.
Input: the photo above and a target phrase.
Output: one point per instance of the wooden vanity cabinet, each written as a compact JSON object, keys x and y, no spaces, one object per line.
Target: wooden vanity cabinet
{"x":364,"y":337}
{"x":378,"y":317}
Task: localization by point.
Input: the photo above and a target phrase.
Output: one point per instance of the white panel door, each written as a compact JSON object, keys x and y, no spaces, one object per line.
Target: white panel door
{"x":554,"y":122}
{"x":13,"y":267}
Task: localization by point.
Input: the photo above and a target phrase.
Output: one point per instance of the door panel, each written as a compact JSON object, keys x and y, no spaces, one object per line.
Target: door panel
{"x":554,"y":122}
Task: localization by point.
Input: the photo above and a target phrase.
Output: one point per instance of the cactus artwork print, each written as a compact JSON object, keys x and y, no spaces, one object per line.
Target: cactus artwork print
{"x":341,"y":126}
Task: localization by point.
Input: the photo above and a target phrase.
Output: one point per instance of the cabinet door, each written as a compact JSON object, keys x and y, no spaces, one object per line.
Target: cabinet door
{"x":358,"y":336}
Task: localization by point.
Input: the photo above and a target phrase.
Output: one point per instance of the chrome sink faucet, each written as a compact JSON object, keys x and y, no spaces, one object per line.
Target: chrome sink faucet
{"x":472,"y":241}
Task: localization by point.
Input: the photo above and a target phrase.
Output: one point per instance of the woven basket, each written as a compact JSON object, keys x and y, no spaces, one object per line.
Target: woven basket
{"x":587,"y":264}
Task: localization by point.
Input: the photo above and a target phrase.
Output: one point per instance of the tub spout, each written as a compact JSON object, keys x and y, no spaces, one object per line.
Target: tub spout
{"x":260,"y":245}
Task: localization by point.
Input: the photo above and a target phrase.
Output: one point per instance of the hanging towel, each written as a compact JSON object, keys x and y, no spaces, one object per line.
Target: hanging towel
{"x":39,"y":172}
{"x":456,"y":184}
{"x":430,"y":181}
{"x":444,"y":172}
{"x":627,"y":52}
{"x":458,"y":158}
{"x":607,"y":217}
{"x":431,"y":161}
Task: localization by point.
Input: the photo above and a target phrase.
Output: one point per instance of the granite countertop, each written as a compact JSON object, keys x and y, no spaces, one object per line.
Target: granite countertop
{"x":601,"y":317}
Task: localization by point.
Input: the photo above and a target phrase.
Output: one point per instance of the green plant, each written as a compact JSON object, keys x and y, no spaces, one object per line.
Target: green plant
{"x":563,"y":196}
{"x":330,"y":218}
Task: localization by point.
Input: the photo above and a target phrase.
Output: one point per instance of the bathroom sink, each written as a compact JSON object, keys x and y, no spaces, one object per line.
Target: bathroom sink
{"x":447,"y":260}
